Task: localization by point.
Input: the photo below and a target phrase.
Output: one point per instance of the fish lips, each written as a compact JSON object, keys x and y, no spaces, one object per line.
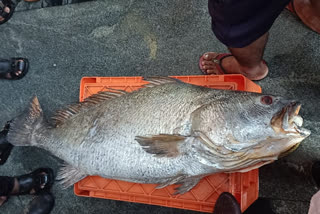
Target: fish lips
{"x":288,"y":121}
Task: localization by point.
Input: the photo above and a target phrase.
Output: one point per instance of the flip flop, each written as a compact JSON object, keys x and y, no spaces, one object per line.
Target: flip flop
{"x":5,"y":146}
{"x":290,"y":7}
{"x":314,"y":21}
{"x":217,"y":62}
{"x":220,"y":70}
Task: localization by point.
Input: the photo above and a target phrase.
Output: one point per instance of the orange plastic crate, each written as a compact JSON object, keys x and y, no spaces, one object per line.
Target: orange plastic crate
{"x":244,"y":186}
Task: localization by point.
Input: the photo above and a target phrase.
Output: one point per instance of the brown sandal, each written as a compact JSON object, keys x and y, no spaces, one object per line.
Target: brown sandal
{"x":313,"y":22}
{"x":5,"y":15}
{"x":220,"y":69}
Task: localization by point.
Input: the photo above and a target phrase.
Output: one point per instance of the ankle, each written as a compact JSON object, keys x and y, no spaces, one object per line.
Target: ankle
{"x":232,"y":64}
{"x":253,"y":70}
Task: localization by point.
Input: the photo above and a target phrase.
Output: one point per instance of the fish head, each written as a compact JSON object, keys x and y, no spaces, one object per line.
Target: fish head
{"x":263,"y":127}
{"x":269,"y":126}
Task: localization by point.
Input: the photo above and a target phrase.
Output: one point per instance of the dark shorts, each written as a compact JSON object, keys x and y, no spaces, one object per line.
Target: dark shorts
{"x":238,"y":23}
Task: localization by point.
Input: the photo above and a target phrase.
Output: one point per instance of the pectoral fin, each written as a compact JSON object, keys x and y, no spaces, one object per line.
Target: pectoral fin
{"x":161,"y":145}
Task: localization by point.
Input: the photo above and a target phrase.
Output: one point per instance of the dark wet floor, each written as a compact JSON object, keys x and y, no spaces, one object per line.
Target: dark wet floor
{"x":128,"y":38}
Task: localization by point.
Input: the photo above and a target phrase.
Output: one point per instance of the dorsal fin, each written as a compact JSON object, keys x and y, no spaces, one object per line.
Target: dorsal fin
{"x":64,"y":114}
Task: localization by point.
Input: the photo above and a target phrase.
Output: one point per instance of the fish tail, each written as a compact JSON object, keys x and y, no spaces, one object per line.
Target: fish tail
{"x":24,"y":126}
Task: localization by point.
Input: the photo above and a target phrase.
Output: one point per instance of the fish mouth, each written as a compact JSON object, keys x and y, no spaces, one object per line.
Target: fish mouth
{"x":288,"y":121}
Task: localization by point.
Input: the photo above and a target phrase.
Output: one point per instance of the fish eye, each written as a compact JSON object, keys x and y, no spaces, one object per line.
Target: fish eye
{"x":267,"y":100}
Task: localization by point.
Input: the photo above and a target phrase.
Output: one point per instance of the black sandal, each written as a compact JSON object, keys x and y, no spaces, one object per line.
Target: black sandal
{"x":10,"y":68}
{"x":39,"y":180}
{"x":226,"y":203}
{"x":6,"y":16}
{"x":5,"y":151}
{"x":315,"y":172}
{"x":5,"y":146}
{"x":41,"y":204}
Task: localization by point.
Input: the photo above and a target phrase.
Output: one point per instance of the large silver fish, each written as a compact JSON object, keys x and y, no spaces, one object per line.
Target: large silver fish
{"x":166,"y":133}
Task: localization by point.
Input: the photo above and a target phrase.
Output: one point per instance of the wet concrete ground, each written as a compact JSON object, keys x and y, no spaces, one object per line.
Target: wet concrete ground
{"x":130,"y":38}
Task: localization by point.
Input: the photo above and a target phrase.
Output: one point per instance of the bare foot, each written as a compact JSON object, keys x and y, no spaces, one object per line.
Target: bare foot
{"x":309,"y":12}
{"x":7,"y":10}
{"x":2,"y":200}
{"x":231,"y":66}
